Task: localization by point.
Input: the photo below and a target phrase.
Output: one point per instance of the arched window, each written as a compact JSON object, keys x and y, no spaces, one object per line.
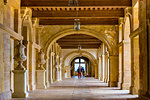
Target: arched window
{"x":79,"y":62}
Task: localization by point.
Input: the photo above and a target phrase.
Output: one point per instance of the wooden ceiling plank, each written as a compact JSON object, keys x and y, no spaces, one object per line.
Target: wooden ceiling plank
{"x":68,"y":13}
{"x":100,"y":21}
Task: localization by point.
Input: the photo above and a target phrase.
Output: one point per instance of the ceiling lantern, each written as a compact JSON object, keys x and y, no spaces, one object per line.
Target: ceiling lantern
{"x":77,"y":24}
{"x":79,"y":50}
{"x":73,"y":3}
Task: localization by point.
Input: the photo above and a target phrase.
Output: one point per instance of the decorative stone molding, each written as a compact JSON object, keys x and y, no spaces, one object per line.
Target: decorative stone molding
{"x":121,"y":20}
{"x":20,"y":56}
{"x":12,"y":33}
{"x":35,"y":21}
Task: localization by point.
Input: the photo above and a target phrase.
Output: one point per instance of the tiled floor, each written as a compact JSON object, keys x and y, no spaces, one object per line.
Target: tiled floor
{"x":80,"y":89}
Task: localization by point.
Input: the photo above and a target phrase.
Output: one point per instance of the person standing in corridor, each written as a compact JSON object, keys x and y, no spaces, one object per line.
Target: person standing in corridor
{"x":79,"y":72}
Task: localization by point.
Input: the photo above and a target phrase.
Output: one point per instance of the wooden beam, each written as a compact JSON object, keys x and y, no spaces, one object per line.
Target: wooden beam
{"x":78,"y":14}
{"x":32,"y":3}
{"x":78,"y":40}
{"x":83,"y":47}
{"x":93,"y":21}
{"x":77,"y":43}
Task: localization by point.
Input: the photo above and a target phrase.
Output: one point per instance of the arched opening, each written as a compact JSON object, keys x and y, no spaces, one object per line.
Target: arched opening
{"x":83,"y":62}
{"x":92,"y":33}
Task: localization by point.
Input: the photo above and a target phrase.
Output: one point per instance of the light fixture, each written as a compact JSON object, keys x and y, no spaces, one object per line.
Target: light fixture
{"x":79,"y":47}
{"x":76,"y":21}
{"x":73,"y":3}
{"x":77,"y":24}
{"x":79,"y":50}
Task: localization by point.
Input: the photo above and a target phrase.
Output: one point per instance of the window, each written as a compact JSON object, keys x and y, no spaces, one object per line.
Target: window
{"x":82,"y":60}
{"x":79,"y":62}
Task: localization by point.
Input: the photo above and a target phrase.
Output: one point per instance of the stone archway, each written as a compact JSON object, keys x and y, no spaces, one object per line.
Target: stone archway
{"x":110,"y":40}
{"x":72,"y":55}
{"x":110,"y":44}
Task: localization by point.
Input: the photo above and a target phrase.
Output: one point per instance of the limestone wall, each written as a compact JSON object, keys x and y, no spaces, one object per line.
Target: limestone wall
{"x":7,"y":31}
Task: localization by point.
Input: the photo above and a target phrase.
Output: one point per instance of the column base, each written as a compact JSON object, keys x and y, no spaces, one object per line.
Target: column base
{"x":106,"y":80}
{"x":19,"y":95}
{"x":113,"y":84}
{"x":125,"y":86}
{"x":133,"y":90}
{"x":96,"y":77}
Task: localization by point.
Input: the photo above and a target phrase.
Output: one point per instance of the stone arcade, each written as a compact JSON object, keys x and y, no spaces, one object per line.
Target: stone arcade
{"x":39,"y":49}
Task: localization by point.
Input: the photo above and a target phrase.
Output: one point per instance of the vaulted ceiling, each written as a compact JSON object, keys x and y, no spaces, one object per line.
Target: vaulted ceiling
{"x":74,"y":40}
{"x":90,"y":12}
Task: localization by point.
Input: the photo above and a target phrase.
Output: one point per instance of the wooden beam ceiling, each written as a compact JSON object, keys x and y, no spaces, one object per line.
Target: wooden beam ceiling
{"x":52,"y":3}
{"x":73,"y":41}
{"x":90,"y":12}
{"x":72,"y":13}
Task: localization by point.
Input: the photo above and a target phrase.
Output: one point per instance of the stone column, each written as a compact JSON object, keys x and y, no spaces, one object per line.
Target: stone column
{"x":126,"y":66}
{"x":99,"y":68}
{"x":114,"y":70}
{"x":101,"y":73}
{"x":48,"y":79}
{"x":103,"y":67}
{"x":96,"y":71}
{"x":29,"y":66}
{"x":20,"y":73}
{"x":149,"y":49}
{"x":106,"y":67}
{"x":60,"y":73}
{"x":57,"y":73}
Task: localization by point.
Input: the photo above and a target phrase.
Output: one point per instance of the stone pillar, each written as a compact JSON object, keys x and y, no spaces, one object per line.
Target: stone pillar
{"x":106,"y":68}
{"x":40,"y":80}
{"x":108,"y":75}
{"x":57,"y":73}
{"x":143,"y":41}
{"x":29,"y":66}
{"x":113,"y":59}
{"x":103,"y":67}
{"x":126,"y":82}
{"x":60,"y":75}
{"x":96,"y":71}
{"x":99,"y":68}
{"x":48,"y":79}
